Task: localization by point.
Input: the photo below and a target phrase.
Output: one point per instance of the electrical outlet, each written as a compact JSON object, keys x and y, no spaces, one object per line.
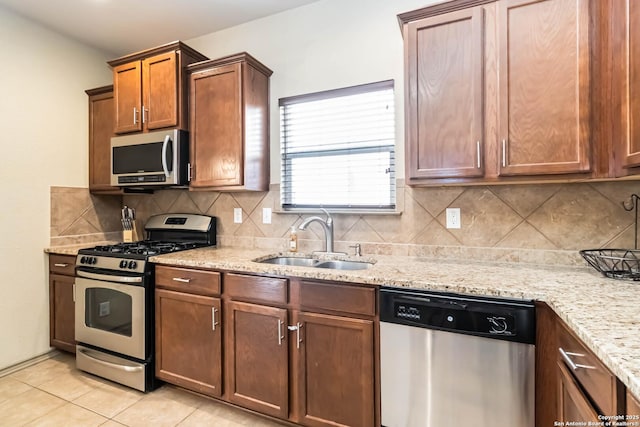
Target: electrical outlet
{"x":453,"y":217}
{"x":237,"y":215}
{"x":266,"y":215}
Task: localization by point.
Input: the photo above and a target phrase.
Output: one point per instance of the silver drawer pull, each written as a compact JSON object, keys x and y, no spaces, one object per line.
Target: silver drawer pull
{"x":573,"y":365}
{"x":181,"y":280}
{"x":61,"y":265}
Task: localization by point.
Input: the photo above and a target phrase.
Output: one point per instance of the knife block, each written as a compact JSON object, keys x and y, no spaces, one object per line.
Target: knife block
{"x":129,"y":236}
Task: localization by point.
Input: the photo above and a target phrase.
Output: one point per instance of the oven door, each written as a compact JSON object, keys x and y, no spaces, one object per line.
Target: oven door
{"x":111,"y":316}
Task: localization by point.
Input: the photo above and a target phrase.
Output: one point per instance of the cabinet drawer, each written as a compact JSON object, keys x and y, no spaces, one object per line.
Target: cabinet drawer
{"x":338,"y":297}
{"x":592,"y":375}
{"x":188,"y":280}
{"x":62,"y":264}
{"x":256,"y":288}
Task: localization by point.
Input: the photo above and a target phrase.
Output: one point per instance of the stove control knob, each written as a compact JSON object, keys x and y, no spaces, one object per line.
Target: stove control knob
{"x":132,"y":265}
{"x":94,"y":260}
{"x":83,"y":260}
{"x":123,"y":264}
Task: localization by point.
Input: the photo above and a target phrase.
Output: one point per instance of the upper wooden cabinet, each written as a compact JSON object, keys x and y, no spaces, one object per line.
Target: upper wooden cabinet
{"x":445,"y":95}
{"x":229,"y":129}
{"x":544,"y":86}
{"x":150,"y":88}
{"x":498,"y":91}
{"x":100,"y":133}
{"x":624,"y":70}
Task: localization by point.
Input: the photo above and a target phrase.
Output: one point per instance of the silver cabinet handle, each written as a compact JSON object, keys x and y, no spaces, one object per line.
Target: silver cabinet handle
{"x":504,"y":153}
{"x":181,"y":280}
{"x":296,"y":328}
{"x":61,"y":265}
{"x":573,"y":365}
{"x":74,"y":292}
{"x":280,"y":336}
{"x":135,"y":116}
{"x":478,"y":152}
{"x":213,"y":319}
{"x":143,"y":115}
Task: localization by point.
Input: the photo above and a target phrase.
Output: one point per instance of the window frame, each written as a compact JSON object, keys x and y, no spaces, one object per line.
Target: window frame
{"x":286,"y":158}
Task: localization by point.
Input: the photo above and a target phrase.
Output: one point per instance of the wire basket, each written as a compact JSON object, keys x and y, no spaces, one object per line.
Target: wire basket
{"x":614,"y":263}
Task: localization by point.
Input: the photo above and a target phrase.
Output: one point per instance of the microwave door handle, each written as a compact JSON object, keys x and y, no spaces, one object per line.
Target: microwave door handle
{"x":165,"y":145}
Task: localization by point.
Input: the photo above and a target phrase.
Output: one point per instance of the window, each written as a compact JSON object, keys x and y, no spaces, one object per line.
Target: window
{"x":338,"y":148}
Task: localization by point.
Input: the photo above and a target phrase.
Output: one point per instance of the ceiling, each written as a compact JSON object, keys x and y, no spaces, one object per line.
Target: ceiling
{"x":120,"y":27}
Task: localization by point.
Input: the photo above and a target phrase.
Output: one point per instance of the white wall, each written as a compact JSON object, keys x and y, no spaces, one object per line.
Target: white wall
{"x":325,"y":45}
{"x":43,"y":112}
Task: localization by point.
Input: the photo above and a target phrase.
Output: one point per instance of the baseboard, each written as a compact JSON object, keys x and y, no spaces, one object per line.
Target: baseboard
{"x":18,"y":366}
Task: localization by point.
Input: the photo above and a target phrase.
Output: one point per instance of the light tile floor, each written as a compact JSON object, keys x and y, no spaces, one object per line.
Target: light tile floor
{"x":53,"y":393}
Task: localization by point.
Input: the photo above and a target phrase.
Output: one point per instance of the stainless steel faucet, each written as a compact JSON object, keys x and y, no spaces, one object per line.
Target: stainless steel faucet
{"x":327,"y":225}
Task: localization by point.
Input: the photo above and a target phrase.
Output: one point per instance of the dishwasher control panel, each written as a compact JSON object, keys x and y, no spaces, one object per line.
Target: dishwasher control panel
{"x":489,"y":317}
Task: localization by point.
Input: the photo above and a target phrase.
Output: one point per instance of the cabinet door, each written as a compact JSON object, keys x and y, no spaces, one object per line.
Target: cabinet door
{"x":335,"y":370}
{"x":216,"y":127}
{"x":573,"y":405}
{"x":628,"y":17}
{"x":445,"y":95}
{"x":101,"y":113}
{"x":160,"y":91}
{"x":256,"y":347}
{"x":189,"y":341}
{"x":127,"y":95}
{"x":62,"y":312}
{"x":543,"y":86}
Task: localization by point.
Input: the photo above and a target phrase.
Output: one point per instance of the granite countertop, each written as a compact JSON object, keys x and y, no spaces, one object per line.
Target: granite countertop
{"x":603,"y":312}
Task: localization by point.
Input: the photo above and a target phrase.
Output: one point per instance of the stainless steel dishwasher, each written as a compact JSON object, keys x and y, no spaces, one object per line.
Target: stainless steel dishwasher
{"x":450,"y":360}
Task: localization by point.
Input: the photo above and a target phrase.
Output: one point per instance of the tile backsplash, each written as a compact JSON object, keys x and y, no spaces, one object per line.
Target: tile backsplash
{"x":542,"y":223}
{"x":78,"y":217}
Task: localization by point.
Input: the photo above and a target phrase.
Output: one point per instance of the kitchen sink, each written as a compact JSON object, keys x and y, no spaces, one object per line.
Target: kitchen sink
{"x":316,"y":263}
{"x":344,"y":265}
{"x":289,"y":260}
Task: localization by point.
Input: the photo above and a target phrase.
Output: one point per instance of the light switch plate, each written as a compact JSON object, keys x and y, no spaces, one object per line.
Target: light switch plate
{"x":266,"y":215}
{"x":453,"y":217}
{"x":237,"y":215}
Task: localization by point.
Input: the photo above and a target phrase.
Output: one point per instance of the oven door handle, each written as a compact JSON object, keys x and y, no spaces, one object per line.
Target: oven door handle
{"x":111,"y":365}
{"x":109,"y":277}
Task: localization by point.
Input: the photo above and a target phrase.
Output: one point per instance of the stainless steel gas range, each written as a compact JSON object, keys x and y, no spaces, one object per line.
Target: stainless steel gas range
{"x":114,"y":296}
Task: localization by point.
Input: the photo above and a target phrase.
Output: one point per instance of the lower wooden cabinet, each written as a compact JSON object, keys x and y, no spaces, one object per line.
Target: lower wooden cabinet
{"x":189,"y":341}
{"x":572,"y":384}
{"x":573,"y":405}
{"x":301,"y":351}
{"x":335,"y":378}
{"x":189,"y":329}
{"x":633,"y":407}
{"x":61,"y":302}
{"x":257,"y":358}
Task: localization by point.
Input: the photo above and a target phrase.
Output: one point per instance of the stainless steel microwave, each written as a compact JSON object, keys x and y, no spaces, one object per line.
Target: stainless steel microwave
{"x":153,"y":159}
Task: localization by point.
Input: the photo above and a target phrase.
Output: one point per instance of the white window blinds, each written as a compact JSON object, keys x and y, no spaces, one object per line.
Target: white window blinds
{"x":338,"y":148}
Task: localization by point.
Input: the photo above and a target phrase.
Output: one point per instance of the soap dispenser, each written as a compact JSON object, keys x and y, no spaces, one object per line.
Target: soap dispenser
{"x":293,"y":240}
